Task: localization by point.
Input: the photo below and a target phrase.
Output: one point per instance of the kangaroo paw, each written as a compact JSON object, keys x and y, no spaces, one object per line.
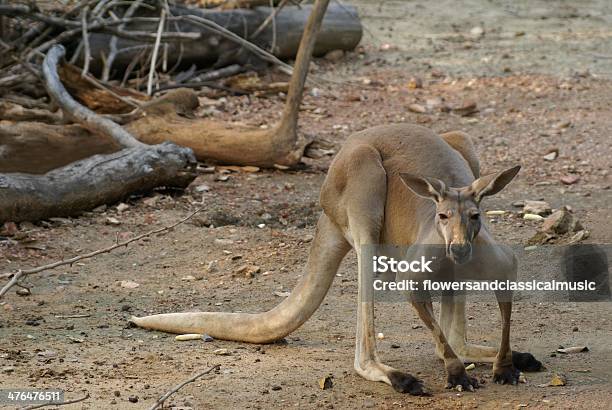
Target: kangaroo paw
{"x":461,"y":379}
{"x":406,"y":383}
{"x":506,"y":375}
{"x":525,"y":362}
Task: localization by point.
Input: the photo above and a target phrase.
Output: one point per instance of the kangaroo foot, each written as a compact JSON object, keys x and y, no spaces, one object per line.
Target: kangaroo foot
{"x":525,"y":362}
{"x":457,"y":376}
{"x":406,"y":383}
{"x":506,"y":375}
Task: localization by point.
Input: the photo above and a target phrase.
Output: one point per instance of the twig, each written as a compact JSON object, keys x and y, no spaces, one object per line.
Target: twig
{"x":78,"y":316}
{"x":108,"y":64}
{"x":160,"y":29}
{"x":87,"y":49}
{"x":56,"y":403}
{"x":268,"y":19}
{"x":211,"y":25}
{"x":165,"y":397}
{"x":23,"y":272}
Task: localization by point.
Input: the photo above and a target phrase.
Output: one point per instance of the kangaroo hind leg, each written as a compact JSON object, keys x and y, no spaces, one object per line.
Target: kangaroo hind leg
{"x":364,"y":197}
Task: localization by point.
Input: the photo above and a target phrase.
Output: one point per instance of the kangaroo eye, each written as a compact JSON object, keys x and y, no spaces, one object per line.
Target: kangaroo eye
{"x":442,"y":216}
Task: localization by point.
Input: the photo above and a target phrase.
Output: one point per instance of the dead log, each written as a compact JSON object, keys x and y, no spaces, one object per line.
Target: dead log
{"x":97,"y":180}
{"x":341,"y":29}
{"x":238,"y":145}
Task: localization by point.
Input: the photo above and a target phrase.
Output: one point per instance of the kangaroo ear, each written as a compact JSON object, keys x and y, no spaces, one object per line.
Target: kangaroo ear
{"x":430,"y":188}
{"x":493,"y":183}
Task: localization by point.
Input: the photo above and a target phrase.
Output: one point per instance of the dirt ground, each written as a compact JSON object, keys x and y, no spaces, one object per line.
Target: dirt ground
{"x":540,"y":75}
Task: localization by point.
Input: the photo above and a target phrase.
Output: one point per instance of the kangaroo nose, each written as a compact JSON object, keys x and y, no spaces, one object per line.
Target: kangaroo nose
{"x":460,"y":251}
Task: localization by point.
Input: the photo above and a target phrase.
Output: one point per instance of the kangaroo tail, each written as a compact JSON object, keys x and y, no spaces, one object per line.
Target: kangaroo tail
{"x":328,"y":249}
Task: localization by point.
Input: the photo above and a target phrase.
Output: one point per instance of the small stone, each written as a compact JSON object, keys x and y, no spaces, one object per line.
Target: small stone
{"x":395,"y":346}
{"x":8,"y":369}
{"x":23,"y":292}
{"x":122,"y":207}
{"x":580,"y":235}
{"x":187,"y":337}
{"x":202,"y":188}
{"x":152,"y":201}
{"x":470,"y":366}
{"x":224,"y":242}
{"x":222,"y":352}
{"x":552,"y":155}
{"x":477,"y":32}
{"x":537,"y":207}
{"x":276,"y":388}
{"x":558,"y":380}
{"x":128,"y":284}
{"x":380,"y":336}
{"x":112,"y":221}
{"x":562,"y":124}
{"x":415,"y":82}
{"x":533,"y":217}
{"x":133,"y":399}
{"x":569,"y":179}
{"x":559,"y":222}
{"x":417,"y":108}
{"x":466,"y":109}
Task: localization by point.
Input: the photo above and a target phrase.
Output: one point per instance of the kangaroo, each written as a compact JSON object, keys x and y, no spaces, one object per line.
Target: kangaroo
{"x":398,"y":184}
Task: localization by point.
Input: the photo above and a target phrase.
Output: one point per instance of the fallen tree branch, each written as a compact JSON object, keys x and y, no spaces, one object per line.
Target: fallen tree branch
{"x":81,"y":114}
{"x":56,"y":403}
{"x":165,"y":397}
{"x":16,"y":276}
{"x":238,"y":145}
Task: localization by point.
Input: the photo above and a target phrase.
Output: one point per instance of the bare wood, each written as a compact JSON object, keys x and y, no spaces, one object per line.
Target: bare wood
{"x":165,"y":397}
{"x":341,"y":29}
{"x":268,"y":20}
{"x":210,"y":140}
{"x":86,"y":48}
{"x":16,"y":276}
{"x":84,"y":116}
{"x":108,"y":64}
{"x":160,"y":28}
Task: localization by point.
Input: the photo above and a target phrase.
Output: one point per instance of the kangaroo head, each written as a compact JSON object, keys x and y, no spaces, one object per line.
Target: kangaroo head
{"x":457,"y":219}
